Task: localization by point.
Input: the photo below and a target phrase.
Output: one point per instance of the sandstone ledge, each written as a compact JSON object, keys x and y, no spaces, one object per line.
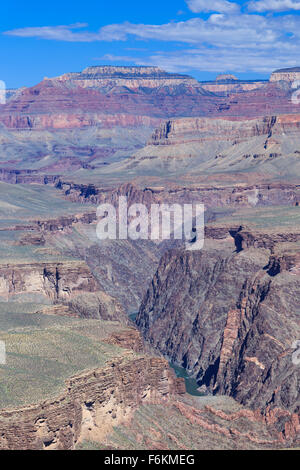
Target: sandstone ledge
{"x":92,"y":403}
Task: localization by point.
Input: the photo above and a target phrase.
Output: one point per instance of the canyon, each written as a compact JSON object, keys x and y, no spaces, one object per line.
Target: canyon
{"x":265,"y":146}
{"x":114,"y":110}
{"x":84,"y":370}
{"x":92,"y":403}
{"x":231,"y":318}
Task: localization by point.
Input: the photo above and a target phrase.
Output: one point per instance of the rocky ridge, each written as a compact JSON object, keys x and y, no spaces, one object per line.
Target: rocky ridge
{"x":129,"y":77}
{"x":231,"y":318}
{"x":92,"y":403}
{"x":286,"y":75}
{"x":229,"y":314}
{"x":103,"y":103}
{"x":200,"y":145}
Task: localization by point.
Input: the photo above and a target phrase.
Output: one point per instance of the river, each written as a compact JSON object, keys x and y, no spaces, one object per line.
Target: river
{"x":190,"y":383}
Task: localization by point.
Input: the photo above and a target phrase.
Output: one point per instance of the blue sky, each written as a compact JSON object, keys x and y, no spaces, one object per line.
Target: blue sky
{"x":198,"y":37}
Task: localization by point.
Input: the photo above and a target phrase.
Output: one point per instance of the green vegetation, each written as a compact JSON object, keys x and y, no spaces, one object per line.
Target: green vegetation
{"x":279,"y":217}
{"x":44,"y":350}
{"x":88,"y":445}
{"x":20,"y":202}
{"x":21,"y":205}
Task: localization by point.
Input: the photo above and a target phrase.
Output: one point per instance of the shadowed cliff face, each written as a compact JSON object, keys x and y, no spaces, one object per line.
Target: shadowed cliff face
{"x":231,"y":320}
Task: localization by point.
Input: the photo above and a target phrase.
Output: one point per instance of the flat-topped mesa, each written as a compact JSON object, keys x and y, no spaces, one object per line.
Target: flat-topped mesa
{"x":286,"y":75}
{"x":228,"y":83}
{"x":226,"y":78}
{"x":126,"y":76}
{"x":128,"y":71}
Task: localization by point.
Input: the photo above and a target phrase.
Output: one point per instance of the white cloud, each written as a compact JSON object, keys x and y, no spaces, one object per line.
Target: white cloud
{"x":219,"y":29}
{"x":221,"y":6}
{"x":221,"y":60}
{"x":273,"y":5}
{"x":247,"y":43}
{"x":238,"y":42}
{"x":58,"y":33}
{"x":217,"y":61}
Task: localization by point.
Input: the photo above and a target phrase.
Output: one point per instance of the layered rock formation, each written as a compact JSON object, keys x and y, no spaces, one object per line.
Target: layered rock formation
{"x":209,"y":423}
{"x":104,"y":105}
{"x":108,"y":95}
{"x":69,"y":285}
{"x":177,"y":131}
{"x":229,"y":314}
{"x":107,"y":104}
{"x":52,"y":225}
{"x":212,"y":196}
{"x":92,"y":403}
{"x":103,"y":96}
{"x":186,"y":146}
{"x":286,"y":75}
{"x":56,"y":281}
{"x":231,"y":319}
{"x":130,"y":77}
{"x":226,"y":83}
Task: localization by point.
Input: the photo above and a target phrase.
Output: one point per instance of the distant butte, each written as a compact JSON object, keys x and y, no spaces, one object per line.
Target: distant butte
{"x":287,"y":75}
{"x":226,"y":78}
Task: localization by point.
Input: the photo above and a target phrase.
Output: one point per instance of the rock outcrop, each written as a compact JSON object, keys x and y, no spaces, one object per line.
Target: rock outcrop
{"x":93,"y":402}
{"x":68,"y":284}
{"x":56,"y":281}
{"x":61,"y":223}
{"x":26,"y":177}
{"x":203,"y":129}
{"x":286,"y":75}
{"x":223,"y":145}
{"x":232,"y":320}
{"x":212,"y":196}
{"x":226,"y":84}
{"x":130,"y":77}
